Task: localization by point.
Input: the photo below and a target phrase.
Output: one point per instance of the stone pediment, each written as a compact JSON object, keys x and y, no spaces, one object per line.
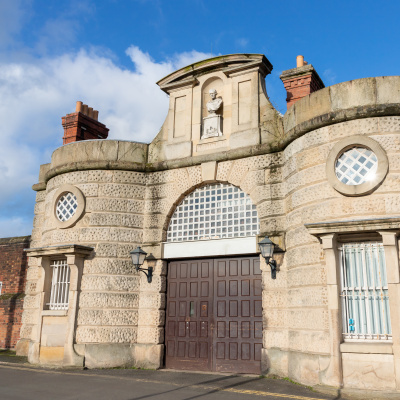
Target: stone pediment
{"x":228,"y":64}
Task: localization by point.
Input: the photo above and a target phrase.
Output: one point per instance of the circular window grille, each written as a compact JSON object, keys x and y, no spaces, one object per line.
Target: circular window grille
{"x":214,"y":211}
{"x":66,"y":206}
{"x":356,"y":166}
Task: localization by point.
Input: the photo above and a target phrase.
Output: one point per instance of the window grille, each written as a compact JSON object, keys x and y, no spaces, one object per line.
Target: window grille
{"x":356,"y":166}
{"x":66,"y":206}
{"x":214,"y":211}
{"x":364,"y":292}
{"x":59,"y":294}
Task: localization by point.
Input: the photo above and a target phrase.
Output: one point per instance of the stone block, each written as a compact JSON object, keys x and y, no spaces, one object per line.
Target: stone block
{"x":106,"y":317}
{"x":368,"y":371}
{"x":357,"y":93}
{"x":100,"y":176}
{"x":275,"y":338}
{"x":312,"y":296}
{"x":108,"y":300}
{"x":119,"y":190}
{"x":109,"y":266}
{"x":178,"y":150}
{"x":108,"y":355}
{"x":99,"y":334}
{"x":250,"y":137}
{"x":149,"y":356}
{"x":89,"y":189}
{"x":131,"y":177}
{"x":309,"y":341}
{"x":51,"y":355}
{"x":125,"y":235}
{"x":387,"y":89}
{"x":150,"y":334}
{"x":195,"y":175}
{"x":113,"y":283}
{"x":209,"y":171}
{"x":274,"y":362}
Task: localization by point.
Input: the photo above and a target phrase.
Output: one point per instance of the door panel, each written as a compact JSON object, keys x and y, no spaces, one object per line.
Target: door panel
{"x":239,"y":332}
{"x":214,"y":315}
{"x":188,"y":333}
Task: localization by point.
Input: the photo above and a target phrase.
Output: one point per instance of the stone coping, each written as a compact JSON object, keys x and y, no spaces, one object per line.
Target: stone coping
{"x":58,"y":166}
{"x":344,"y":101}
{"x":15,"y":239}
{"x":335,"y":117}
{"x":354,"y":225}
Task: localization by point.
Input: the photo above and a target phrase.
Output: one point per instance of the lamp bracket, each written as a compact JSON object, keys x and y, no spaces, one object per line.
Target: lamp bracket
{"x":149,"y":272}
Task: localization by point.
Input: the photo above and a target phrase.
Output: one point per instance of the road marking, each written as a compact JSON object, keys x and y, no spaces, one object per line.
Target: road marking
{"x":231,"y":390}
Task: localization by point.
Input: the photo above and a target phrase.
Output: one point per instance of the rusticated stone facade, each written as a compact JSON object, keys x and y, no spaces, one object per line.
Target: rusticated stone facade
{"x":131,"y":190}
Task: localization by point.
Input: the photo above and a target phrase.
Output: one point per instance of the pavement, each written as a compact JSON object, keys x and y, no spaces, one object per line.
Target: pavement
{"x":20,"y":380}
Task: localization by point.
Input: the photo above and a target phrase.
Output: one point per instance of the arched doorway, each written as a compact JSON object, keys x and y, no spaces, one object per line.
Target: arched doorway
{"x":214,"y":311}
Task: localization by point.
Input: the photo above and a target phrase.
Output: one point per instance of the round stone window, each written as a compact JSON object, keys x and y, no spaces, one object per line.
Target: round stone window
{"x":66,"y":206}
{"x":69,"y":206}
{"x":356,"y":166}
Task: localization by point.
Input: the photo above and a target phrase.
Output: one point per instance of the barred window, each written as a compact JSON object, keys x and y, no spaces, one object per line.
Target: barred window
{"x":364,"y":292}
{"x":356,"y":166}
{"x":214,"y":211}
{"x":59,"y":294}
{"x":66,"y":206}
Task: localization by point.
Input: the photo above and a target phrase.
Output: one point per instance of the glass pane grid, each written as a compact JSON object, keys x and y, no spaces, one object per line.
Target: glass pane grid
{"x":364,"y":292}
{"x":214,"y":211}
{"x":59,"y":294}
{"x":66,"y":206}
{"x":356,"y":166}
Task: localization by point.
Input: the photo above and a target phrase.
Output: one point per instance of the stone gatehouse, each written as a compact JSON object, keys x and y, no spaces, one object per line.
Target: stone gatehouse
{"x":225,"y":171}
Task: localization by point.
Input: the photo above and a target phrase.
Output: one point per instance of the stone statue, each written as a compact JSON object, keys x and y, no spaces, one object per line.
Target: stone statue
{"x":215,"y":103}
{"x":212,"y":122}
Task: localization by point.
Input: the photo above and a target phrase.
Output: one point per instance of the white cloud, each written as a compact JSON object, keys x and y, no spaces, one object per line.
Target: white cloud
{"x":329,"y":77}
{"x":15,"y":226}
{"x":35,"y":95}
{"x":242,"y":42}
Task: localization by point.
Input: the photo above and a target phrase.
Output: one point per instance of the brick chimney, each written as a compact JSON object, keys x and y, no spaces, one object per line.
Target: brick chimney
{"x":83,"y":124}
{"x":300,"y":81}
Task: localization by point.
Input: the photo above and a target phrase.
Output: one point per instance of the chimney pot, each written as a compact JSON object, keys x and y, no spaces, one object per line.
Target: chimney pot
{"x":84,"y":109}
{"x":300,"y":61}
{"x":83,"y":125}
{"x":300,"y":82}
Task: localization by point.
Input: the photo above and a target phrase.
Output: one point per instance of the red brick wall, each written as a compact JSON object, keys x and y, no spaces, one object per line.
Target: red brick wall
{"x":13,"y":265}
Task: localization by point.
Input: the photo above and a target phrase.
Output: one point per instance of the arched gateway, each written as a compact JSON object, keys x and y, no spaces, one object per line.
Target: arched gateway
{"x":214,"y":312}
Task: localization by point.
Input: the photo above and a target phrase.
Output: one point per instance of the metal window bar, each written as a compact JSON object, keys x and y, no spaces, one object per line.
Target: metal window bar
{"x":214,"y":211}
{"x":59,"y":294}
{"x":364,"y":292}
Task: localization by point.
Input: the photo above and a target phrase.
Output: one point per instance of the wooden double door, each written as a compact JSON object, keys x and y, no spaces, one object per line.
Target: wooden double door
{"x":214,"y":315}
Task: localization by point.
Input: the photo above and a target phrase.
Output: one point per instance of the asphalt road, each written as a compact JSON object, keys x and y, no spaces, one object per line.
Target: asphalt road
{"x":22,"y":382}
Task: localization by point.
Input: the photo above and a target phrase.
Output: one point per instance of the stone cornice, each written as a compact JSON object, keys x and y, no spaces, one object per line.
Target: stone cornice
{"x":354,"y":226}
{"x":65,"y":249}
{"x":230,"y":63}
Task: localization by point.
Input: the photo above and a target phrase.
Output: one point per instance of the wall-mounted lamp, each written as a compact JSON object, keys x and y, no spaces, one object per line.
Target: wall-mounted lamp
{"x":267,"y":250}
{"x":138,"y":256}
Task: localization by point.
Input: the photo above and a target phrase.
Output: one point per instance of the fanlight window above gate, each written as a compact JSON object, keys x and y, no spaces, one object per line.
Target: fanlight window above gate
{"x":214,"y":211}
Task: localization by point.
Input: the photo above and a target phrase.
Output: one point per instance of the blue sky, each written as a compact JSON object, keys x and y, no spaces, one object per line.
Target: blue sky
{"x":110,"y":53}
